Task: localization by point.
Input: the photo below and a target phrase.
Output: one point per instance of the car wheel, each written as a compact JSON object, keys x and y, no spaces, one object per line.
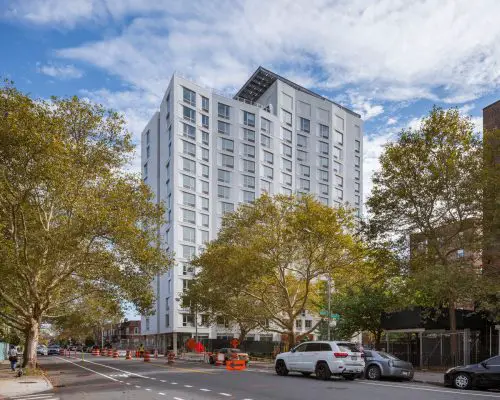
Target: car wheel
{"x":462,"y":381}
{"x":306,"y":373}
{"x":373,"y":373}
{"x":349,"y":377}
{"x":281,"y":368}
{"x":322,"y":371}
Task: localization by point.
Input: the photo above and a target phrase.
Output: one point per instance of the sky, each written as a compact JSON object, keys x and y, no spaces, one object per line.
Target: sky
{"x":389,"y":60}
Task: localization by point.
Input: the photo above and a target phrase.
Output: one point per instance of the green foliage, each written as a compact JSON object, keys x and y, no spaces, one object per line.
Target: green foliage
{"x":73,"y":224}
{"x":270,"y":256}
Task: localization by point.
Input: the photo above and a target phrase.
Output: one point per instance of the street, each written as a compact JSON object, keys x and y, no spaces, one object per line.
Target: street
{"x":107,"y":378}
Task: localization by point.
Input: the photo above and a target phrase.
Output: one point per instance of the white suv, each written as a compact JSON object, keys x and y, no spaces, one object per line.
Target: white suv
{"x":324,"y":359}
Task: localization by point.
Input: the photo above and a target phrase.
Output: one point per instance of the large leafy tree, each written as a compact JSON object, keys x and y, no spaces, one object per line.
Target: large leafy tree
{"x":275,"y":252}
{"x":429,"y":190}
{"x":73,"y":224}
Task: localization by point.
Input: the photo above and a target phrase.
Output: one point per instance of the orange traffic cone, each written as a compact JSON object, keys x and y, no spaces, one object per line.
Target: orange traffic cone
{"x":128,"y":356}
{"x":137,"y":354}
{"x":115,"y":354}
{"x":110,"y":352}
{"x":95,"y":352}
{"x":103,"y":352}
{"x":146,"y":356}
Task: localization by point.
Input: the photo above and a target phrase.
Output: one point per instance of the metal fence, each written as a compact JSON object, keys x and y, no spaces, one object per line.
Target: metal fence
{"x":4,"y":348}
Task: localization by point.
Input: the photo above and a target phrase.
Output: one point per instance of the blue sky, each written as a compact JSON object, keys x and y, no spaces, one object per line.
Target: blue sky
{"x":389,"y":60}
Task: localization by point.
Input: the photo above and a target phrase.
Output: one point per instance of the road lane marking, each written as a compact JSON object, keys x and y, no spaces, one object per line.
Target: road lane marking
{"x":88,"y":369}
{"x":137,"y":386}
{"x":148,"y":389}
{"x":225,"y":394}
{"x":160,"y":393}
{"x":183,"y":369}
{"x":188,"y":386}
{"x":173,"y":383}
{"x":205,"y":390}
{"x":154,"y":379}
{"x":161,"y":380}
{"x":34,"y":396}
{"x":128,"y":383}
{"x":178,"y":398}
{"x":117,"y":369}
{"x":425,"y":388}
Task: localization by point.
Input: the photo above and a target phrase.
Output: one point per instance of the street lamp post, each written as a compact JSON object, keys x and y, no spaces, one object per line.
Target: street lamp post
{"x":329,"y":304}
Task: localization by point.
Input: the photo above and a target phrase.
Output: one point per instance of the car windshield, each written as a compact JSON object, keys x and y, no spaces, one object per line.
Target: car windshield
{"x":348,"y":347}
{"x":387,"y":356}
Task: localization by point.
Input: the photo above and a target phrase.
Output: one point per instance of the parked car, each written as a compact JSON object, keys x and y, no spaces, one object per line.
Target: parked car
{"x":53,"y":349}
{"x":229,"y":354}
{"x":379,"y":364}
{"x":42,"y":350}
{"x":485,"y":375}
{"x":72,"y":347}
{"x":324,"y":359}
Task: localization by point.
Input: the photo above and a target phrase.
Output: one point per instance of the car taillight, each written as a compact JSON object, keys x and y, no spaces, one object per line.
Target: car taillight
{"x":341,"y":355}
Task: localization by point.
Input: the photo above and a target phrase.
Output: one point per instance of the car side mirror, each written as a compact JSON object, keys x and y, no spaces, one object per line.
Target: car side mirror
{"x":484,"y":364}
{"x":292,"y":351}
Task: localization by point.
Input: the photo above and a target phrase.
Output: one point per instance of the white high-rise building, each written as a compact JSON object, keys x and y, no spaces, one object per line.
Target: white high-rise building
{"x":204,"y":153}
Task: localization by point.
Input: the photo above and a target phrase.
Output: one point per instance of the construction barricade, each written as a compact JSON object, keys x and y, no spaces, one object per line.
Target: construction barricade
{"x":147,"y":357}
{"x":236,"y":365}
{"x":115,"y":354}
{"x":170,"y":357}
{"x":128,"y":356}
{"x":103,"y":352}
{"x":110,"y":353}
{"x":95,"y":352}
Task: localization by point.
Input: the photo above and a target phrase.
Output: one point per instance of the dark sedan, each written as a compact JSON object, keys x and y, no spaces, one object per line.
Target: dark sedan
{"x":379,"y":364}
{"x":485,"y":375}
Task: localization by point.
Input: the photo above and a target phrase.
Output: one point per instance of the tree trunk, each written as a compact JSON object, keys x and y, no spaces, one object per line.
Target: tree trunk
{"x":378,"y":337}
{"x":453,"y":329}
{"x":31,"y":343}
{"x":291,"y":338}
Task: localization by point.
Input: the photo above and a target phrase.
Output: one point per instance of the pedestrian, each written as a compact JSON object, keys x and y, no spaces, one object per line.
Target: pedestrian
{"x":13,"y":357}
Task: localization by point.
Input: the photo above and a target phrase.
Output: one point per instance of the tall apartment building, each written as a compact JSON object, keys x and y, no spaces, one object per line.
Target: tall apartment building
{"x":204,"y":153}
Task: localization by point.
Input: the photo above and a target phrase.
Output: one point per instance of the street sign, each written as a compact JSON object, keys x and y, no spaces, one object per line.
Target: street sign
{"x":324,"y":313}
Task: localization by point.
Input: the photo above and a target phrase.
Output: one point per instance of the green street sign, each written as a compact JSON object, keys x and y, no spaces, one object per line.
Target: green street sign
{"x":324,"y":313}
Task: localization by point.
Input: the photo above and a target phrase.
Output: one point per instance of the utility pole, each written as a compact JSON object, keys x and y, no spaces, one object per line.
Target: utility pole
{"x":329,"y":304}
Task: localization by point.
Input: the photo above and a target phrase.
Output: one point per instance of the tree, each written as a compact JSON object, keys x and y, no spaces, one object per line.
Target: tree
{"x":274,"y":252}
{"x":429,"y":189}
{"x":72,"y":222}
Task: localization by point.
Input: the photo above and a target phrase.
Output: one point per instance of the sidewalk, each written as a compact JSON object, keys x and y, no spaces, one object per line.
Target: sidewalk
{"x":10,"y":385}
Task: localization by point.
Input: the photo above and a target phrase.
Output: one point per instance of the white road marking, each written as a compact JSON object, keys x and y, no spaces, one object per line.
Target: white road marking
{"x":178,"y":398}
{"x":148,"y":389}
{"x":173,"y":383}
{"x":161,"y":380}
{"x":32,"y":396}
{"x":117,"y":369}
{"x":163,"y":394}
{"x":429,"y":389}
{"x":128,"y":383}
{"x":88,"y":369}
{"x":153,"y":379}
{"x":137,"y":386}
{"x":225,"y":394}
{"x":188,"y":386}
{"x":205,"y":390}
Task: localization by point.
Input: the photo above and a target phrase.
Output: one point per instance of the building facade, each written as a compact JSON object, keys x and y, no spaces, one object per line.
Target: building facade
{"x":204,"y":153}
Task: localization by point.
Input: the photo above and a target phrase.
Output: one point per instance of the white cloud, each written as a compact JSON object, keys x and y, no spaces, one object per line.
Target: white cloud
{"x":392,"y":121}
{"x":364,"y":107}
{"x":466,"y":108}
{"x":67,"y":71}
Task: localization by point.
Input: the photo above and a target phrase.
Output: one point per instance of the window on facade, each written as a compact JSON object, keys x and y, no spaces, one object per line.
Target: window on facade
{"x":227,"y":145}
{"x":268,"y":157}
{"x":248,"y":135}
{"x":205,"y":154}
{"x":339,"y":194}
{"x":224,"y":176}
{"x":186,"y":270}
{"x":298,"y":323}
{"x":323,"y":175}
{"x":205,"y":220}
{"x":188,"y":252}
{"x":337,"y":153}
{"x":340,"y":137}
{"x":204,"y":237}
{"x":147,"y":324}
{"x":170,"y":133}
{"x":205,"y":103}
{"x":357,"y":146}
{"x":287,"y":150}
{"x":357,"y":174}
{"x":189,"y":131}
{"x":249,"y":166}
{"x":339,"y":123}
{"x":305,"y":125}
{"x":301,"y":155}
{"x":268,"y":172}
{"x":337,"y":168}
{"x":265,"y":125}
{"x":308,"y":323}
{"x":188,"y":234}
{"x":356,"y":187}
{"x":323,"y":189}
{"x":205,"y":138}
{"x":248,"y":197}
{"x":189,"y":96}
{"x":188,"y":216}
{"x":223,"y":110}
{"x":357,"y":161}
{"x":324,"y":131}
{"x":339,"y":181}
{"x":265,"y":140}
{"x":167,"y":320}
{"x":223,"y":192}
{"x":227,"y":161}
{"x":286,"y":191}
{"x":287,"y":117}
{"x":248,"y":151}
{"x":188,"y":182}
{"x":249,"y":181}
{"x":205,"y":121}
{"x":305,"y":170}
{"x":287,"y":135}
{"x":223,"y":128}
{"x":189,"y":114}
{"x":205,"y":171}
{"x":356,"y":199}
{"x":205,"y":187}
{"x":147,"y":137}
{"x":189,"y":148}
{"x":301,"y":141}
{"x":248,"y":118}
{"x":205,"y":319}
{"x":146,"y":170}
{"x":460,"y":253}
{"x":205,"y":203}
{"x":304,"y":184}
{"x":265,"y":186}
{"x":323,"y":200}
{"x":187,"y":320}
{"x":287,"y":164}
{"x":287,"y":179}
{"x":188,"y":199}
{"x":226,"y":207}
{"x":323,"y":148}
{"x":323,"y":162}
{"x":148,"y":152}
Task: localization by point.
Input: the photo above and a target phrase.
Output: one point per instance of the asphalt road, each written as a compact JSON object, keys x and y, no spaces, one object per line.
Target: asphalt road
{"x":105,"y":378}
